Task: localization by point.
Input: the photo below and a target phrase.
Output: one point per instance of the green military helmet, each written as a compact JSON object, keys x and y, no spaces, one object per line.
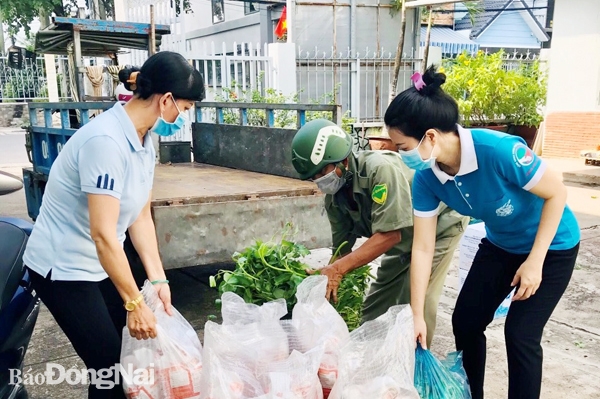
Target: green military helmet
{"x":317,"y":144}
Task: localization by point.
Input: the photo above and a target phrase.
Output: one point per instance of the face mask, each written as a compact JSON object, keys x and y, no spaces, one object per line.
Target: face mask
{"x":413,"y":159}
{"x":331,"y":183}
{"x":164,"y":128}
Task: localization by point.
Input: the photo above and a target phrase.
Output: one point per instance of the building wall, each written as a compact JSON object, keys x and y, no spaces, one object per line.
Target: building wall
{"x":237,"y":26}
{"x":313,"y":25}
{"x":375,"y":27}
{"x":508,"y":31}
{"x":573,"y":110}
{"x":568,"y":133}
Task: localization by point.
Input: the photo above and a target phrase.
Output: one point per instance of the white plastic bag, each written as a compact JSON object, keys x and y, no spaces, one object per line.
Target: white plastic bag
{"x":296,"y":377}
{"x":235,"y":311}
{"x":378,"y":361}
{"x":317,"y":323}
{"x":237,"y":353}
{"x":172,"y":360}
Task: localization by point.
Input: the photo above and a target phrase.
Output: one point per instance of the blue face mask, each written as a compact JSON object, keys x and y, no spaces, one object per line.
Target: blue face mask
{"x":413,"y":159}
{"x":166,"y":129}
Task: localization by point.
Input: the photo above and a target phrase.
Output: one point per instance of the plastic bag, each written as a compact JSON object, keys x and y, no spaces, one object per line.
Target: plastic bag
{"x":172,"y":361}
{"x":379,"y":358}
{"x":296,"y":377}
{"x":237,"y":353}
{"x":317,"y":323}
{"x":436,"y":379}
{"x":235,"y":311}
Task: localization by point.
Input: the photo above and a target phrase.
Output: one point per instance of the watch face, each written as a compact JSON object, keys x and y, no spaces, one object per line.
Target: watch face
{"x":129,"y":306}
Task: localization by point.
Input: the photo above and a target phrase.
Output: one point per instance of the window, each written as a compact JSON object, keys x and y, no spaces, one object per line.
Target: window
{"x":250,"y":7}
{"x":218,"y":11}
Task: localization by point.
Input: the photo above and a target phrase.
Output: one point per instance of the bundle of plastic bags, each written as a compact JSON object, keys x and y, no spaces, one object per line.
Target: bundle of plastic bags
{"x":168,"y":366}
{"x":249,"y":356}
{"x":378,"y":359}
{"x":436,"y":379}
{"x":316,"y":323}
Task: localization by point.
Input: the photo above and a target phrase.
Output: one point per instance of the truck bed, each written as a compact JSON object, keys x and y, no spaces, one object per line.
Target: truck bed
{"x":204,"y":213}
{"x":190,"y":183}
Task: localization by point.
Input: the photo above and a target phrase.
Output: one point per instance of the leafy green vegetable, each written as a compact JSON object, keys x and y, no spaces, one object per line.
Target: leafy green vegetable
{"x":266,"y":271}
{"x":351,"y":294}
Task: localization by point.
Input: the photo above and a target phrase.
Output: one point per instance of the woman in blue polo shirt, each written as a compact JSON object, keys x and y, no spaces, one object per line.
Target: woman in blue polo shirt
{"x":100,"y":187}
{"x":532,"y":236}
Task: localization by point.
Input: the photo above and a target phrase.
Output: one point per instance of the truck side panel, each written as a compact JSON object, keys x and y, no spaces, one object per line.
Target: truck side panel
{"x":207,"y":233}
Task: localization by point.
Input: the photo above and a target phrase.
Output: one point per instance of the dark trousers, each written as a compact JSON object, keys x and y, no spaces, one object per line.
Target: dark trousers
{"x":92,"y":316}
{"x":486,"y":286}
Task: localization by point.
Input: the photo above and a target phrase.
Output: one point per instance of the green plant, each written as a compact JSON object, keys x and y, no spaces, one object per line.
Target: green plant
{"x":528,"y":98}
{"x":283,"y":118}
{"x":267,"y":271}
{"x":488,"y":92}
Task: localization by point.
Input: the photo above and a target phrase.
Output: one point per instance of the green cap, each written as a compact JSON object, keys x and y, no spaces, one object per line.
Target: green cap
{"x":317,"y":144}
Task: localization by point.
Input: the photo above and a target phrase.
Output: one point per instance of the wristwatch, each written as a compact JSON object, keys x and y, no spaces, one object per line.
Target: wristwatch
{"x":131,"y":305}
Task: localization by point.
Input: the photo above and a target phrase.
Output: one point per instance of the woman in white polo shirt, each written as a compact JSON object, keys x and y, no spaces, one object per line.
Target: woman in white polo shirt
{"x":532,"y":236}
{"x":99,"y":187}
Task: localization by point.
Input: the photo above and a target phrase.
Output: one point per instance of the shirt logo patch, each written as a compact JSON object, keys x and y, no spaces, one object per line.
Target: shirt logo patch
{"x":505,"y":210}
{"x":105,"y":182}
{"x":523,"y":155}
{"x":379,"y":194}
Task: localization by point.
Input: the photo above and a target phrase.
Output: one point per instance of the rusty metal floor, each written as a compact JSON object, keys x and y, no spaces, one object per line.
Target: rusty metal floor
{"x":195,"y":182}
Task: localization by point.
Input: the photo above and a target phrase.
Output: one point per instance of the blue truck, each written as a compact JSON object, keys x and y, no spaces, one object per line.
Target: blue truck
{"x":240,"y":187}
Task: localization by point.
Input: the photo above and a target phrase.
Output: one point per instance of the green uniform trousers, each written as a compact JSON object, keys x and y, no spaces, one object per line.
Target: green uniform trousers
{"x":392,"y":285}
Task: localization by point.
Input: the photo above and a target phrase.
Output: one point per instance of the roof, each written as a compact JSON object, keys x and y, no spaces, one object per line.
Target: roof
{"x":484,"y":19}
{"x":449,"y":40}
{"x":98,"y":37}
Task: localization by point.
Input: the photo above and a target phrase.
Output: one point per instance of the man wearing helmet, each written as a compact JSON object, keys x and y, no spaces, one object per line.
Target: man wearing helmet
{"x":369,"y":195}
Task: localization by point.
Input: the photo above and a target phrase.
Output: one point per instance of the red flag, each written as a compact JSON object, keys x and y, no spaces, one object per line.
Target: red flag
{"x":281,"y":28}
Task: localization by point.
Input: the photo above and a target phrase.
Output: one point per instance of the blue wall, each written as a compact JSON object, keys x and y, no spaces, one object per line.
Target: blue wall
{"x":509,"y":30}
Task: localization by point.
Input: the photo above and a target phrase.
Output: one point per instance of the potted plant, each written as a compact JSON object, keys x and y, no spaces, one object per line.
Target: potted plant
{"x":481,"y":87}
{"x":524,"y":111}
{"x":492,"y":96}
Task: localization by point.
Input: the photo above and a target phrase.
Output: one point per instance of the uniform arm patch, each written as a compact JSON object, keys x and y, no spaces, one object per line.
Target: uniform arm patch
{"x":379,"y":194}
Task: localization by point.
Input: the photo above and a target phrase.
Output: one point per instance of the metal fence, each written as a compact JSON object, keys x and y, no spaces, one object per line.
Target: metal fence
{"x":512,"y":60}
{"x":359,"y":81}
{"x":30,"y":83}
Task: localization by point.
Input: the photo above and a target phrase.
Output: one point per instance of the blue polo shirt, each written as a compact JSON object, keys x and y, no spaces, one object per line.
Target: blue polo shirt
{"x":496,"y":172}
{"x":104,"y":157}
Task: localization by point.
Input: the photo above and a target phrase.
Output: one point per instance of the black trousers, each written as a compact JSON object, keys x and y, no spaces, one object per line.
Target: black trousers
{"x":486,"y":286}
{"x":92,"y":316}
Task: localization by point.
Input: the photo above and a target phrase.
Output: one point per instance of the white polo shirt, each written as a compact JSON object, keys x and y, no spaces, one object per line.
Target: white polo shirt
{"x":104,"y":157}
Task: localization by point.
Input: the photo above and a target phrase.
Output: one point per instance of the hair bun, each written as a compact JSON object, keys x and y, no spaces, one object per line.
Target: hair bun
{"x":130,"y":78}
{"x":433,"y":80}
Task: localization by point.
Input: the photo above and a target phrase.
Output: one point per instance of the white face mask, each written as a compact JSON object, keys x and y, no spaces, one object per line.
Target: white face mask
{"x":331,"y":183}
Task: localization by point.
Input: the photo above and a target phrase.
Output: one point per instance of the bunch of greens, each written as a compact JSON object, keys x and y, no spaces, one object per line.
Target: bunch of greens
{"x":351,"y":292}
{"x":266,"y":271}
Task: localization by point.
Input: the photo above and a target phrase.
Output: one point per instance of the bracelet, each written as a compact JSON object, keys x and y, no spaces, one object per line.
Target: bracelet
{"x":159,"y":282}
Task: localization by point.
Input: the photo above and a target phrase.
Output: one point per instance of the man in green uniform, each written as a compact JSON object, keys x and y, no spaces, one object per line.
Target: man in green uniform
{"x":369,"y":195}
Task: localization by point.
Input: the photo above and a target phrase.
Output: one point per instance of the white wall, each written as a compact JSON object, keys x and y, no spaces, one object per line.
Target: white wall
{"x":202,"y":13}
{"x":574,"y":81}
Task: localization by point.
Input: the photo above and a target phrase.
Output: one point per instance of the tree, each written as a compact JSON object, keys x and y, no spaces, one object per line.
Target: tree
{"x":22,"y":12}
{"x":17,"y":14}
{"x":398,"y":5}
{"x":472,"y":7}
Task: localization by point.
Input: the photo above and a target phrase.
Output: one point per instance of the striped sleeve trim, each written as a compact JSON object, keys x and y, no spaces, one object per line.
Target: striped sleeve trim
{"x":536,"y":177}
